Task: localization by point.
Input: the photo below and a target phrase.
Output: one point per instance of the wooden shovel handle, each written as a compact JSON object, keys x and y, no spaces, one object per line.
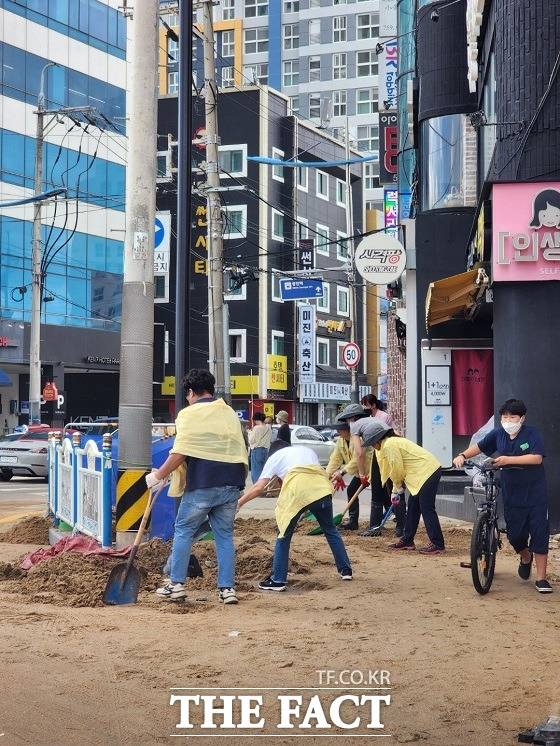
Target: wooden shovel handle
{"x":354,"y":497}
{"x":152,"y":497}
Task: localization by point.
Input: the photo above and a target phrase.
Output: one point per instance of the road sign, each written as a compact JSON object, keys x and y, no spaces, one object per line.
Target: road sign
{"x":300,"y":289}
{"x":380,"y":259}
{"x":351,"y":355}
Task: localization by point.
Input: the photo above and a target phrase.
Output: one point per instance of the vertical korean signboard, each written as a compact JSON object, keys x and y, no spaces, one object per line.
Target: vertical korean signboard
{"x":388,"y":148}
{"x":391,"y":210}
{"x":387,"y":75}
{"x":306,"y":343}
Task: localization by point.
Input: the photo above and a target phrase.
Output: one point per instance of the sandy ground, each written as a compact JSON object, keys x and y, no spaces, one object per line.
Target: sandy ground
{"x":464,"y":669}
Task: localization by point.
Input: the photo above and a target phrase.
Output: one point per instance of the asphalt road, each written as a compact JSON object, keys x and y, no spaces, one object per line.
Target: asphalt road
{"x":19,"y":497}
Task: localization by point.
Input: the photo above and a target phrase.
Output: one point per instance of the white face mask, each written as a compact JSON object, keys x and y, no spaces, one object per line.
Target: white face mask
{"x":512,"y":428}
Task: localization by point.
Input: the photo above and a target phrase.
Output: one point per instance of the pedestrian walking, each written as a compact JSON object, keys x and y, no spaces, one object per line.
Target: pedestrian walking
{"x":524,"y":489}
{"x":305,"y":486}
{"x":376,"y":409}
{"x":260,"y":437}
{"x":408,"y":465}
{"x":208,"y":466}
{"x":284,"y":432}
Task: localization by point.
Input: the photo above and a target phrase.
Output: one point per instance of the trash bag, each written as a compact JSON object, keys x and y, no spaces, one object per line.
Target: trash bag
{"x":474,"y":472}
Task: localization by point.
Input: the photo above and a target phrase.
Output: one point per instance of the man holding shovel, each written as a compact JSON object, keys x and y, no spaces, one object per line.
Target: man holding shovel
{"x":342,"y":462}
{"x":208,"y":464}
{"x":305,"y":486}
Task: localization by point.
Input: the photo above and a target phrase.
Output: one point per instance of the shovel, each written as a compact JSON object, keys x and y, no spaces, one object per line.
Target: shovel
{"x":124,"y":581}
{"x":337,"y":520}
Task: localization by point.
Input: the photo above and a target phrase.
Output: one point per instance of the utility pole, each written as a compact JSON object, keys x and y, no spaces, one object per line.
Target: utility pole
{"x":137,"y":326}
{"x":184,"y":202}
{"x":354,"y":390}
{"x":36,"y":274}
{"x":215,"y":242}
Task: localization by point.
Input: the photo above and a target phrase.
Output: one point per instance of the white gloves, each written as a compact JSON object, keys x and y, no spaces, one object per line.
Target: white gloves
{"x":152,"y":480}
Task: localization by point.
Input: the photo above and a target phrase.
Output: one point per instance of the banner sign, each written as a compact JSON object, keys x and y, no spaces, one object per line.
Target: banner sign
{"x":388,"y":148}
{"x":306,"y":254}
{"x":306,"y":343}
{"x":391,"y":211}
{"x":387,"y":75}
{"x":473,"y":389}
{"x":277,"y":373}
{"x":162,"y":243}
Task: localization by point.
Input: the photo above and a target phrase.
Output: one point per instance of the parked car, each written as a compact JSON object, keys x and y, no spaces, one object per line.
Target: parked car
{"x":24,"y":454}
{"x":328,"y":431}
{"x":304,"y":435}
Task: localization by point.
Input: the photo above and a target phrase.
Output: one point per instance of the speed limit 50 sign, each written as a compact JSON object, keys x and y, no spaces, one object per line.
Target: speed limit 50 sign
{"x":351,"y":355}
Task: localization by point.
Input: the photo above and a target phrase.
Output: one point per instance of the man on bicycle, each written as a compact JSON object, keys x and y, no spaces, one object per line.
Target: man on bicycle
{"x":524,"y":490}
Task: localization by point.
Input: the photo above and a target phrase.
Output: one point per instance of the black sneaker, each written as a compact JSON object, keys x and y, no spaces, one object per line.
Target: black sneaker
{"x":348,"y":526}
{"x":399,"y":533}
{"x":543,"y":586}
{"x":271,"y":585}
{"x":524,"y":569}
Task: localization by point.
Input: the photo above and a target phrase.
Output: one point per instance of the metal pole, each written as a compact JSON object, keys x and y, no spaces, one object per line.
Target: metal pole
{"x":215,"y":234}
{"x":227,"y":366}
{"x":137,"y":327}
{"x":184,"y":203}
{"x":36,"y":274}
{"x":354,"y":391}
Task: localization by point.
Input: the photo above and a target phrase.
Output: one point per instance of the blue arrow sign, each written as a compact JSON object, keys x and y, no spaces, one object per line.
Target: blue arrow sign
{"x":160,"y":233}
{"x":300,"y":289}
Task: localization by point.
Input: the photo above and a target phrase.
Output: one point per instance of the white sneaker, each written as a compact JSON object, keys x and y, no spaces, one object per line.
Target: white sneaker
{"x":172,"y":591}
{"x":346,"y":575}
{"x":228,"y":596}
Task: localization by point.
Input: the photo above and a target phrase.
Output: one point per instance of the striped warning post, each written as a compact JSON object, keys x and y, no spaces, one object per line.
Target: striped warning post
{"x":132,"y":497}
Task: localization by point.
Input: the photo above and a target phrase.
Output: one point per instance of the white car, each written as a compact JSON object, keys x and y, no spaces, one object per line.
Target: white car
{"x":304,"y":435}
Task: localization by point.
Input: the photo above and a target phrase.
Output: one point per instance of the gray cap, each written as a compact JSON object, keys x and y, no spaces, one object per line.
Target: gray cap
{"x":352,"y":410}
{"x":372,"y":430}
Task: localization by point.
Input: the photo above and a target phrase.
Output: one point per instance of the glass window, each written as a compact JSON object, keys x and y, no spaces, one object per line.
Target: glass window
{"x":314,"y":106}
{"x":278,"y":171}
{"x":339,"y":66}
{"x":488,"y":133}
{"x":277,"y":225}
{"x":255,"y":8}
{"x":161,"y":284}
{"x":342,"y":301}
{"x":98,"y":17}
{"x":256,"y":74}
{"x":237,"y":345}
{"x":291,"y":72}
{"x":340,"y":193}
{"x":227,"y":76}
{"x":302,"y":174}
{"x":369,"y":176}
{"x":315,"y":31}
{"x":322,"y":239}
{"x":291,"y":6}
{"x":256,"y":40}
{"x":291,"y":36}
{"x":233,"y":159}
{"x":366,"y":27}
{"x":339,"y":103}
{"x":322,"y":184}
{"x":294,"y":104}
{"x":278,"y":345}
{"x":13,"y":72}
{"x":324,"y":303}
{"x":235,"y":221}
{"x":314,"y":68}
{"x":13,"y":155}
{"x":368,"y":137}
{"x":341,"y":246}
{"x":448,"y":147}
{"x":339,"y":28}
{"x":323,"y":352}
{"x":366,"y":101}
{"x":228,"y":43}
{"x":172,"y":83}
{"x":228,"y":10}
{"x":366,"y":64}
{"x":302,"y":228}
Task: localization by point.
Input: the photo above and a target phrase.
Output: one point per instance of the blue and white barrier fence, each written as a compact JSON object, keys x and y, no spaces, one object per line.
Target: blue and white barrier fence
{"x":81,"y":485}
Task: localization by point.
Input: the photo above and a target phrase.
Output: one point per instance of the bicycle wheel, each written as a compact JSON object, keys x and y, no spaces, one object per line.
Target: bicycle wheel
{"x":484,"y":543}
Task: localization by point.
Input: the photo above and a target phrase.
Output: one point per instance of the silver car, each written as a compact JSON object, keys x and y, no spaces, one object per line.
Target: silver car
{"x":24,"y":454}
{"x":304,"y":435}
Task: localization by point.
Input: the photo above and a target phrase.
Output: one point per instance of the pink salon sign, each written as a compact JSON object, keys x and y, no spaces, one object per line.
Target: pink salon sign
{"x":526,"y":232}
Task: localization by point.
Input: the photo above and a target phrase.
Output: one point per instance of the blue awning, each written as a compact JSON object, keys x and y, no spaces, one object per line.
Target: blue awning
{"x":5,"y":379}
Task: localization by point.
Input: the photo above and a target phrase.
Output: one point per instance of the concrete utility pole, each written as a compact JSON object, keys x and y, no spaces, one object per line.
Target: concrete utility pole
{"x":354,"y":390}
{"x":36,"y":274}
{"x":137,"y":327}
{"x":215,"y":242}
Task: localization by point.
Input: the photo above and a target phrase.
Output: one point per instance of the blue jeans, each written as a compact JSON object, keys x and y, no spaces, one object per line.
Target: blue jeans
{"x":258,"y":458}
{"x":219,"y":505}
{"x":323,"y":511}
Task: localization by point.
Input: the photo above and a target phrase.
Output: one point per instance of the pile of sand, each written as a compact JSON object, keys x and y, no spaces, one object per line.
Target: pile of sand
{"x":32,"y":530}
{"x":74,"y":580}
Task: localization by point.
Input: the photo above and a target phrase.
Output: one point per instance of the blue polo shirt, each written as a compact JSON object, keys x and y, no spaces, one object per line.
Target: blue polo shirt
{"x":204,"y":474}
{"x":525,"y":486}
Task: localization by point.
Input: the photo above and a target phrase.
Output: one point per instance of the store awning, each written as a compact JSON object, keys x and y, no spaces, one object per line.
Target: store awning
{"x":5,"y":379}
{"x":453,"y":297}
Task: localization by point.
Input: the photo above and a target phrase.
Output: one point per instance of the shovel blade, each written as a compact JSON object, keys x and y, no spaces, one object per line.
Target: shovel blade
{"x":118,"y":593}
{"x":317,"y":531}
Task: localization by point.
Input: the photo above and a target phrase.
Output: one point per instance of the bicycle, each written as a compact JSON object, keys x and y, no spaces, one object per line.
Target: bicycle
{"x":485,"y":540}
